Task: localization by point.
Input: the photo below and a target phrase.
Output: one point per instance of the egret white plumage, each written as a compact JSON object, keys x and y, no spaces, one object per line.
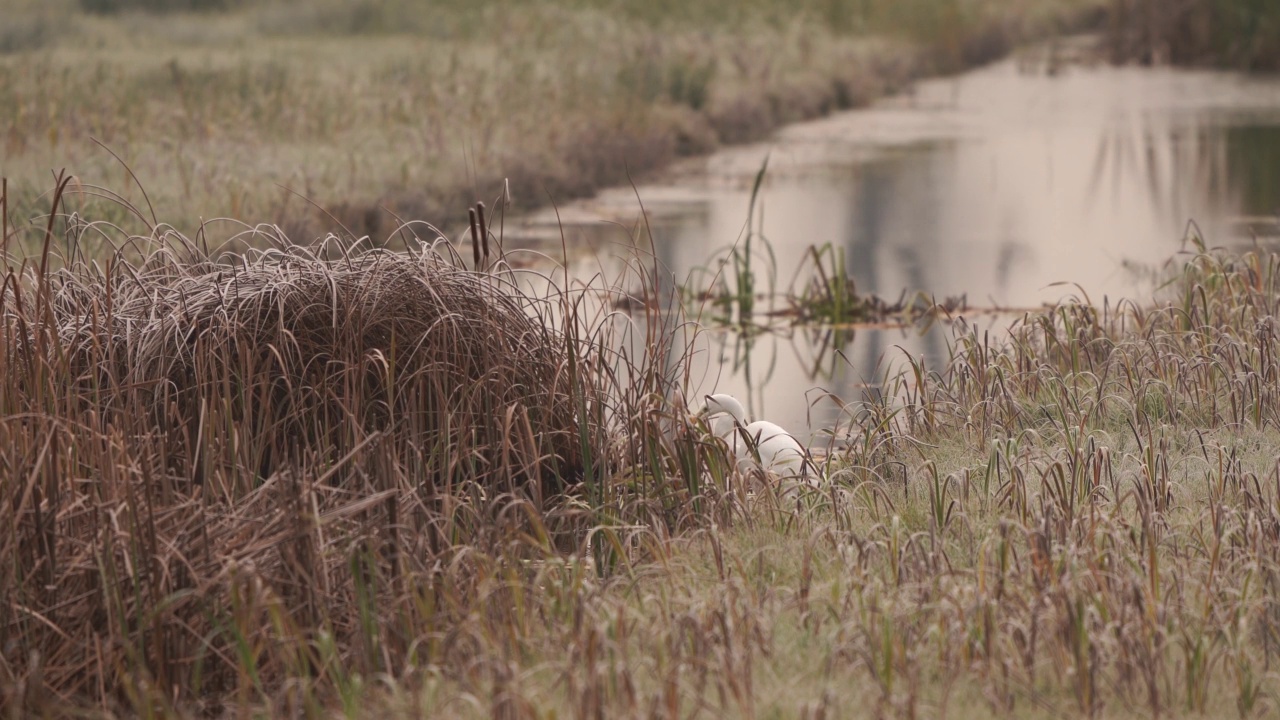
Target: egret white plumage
{"x":773,"y":447}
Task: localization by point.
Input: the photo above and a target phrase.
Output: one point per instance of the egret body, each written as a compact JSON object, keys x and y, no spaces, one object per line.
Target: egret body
{"x":775,"y":448}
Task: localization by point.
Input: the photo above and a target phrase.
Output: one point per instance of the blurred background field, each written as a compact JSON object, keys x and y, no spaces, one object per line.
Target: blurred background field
{"x":422,"y":108}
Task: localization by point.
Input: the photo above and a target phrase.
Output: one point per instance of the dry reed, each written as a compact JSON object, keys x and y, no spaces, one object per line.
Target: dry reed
{"x":1078,"y":518}
{"x":199,"y":452}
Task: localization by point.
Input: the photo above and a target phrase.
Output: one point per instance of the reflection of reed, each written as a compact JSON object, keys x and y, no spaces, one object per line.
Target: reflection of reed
{"x":732,"y":353}
{"x":1182,"y":169}
{"x":820,"y":350}
{"x":896,"y":204}
{"x":1253,"y":159}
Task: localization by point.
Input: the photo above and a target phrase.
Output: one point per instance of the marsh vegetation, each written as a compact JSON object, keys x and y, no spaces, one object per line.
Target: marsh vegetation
{"x":303,"y":480}
{"x":245,"y":471}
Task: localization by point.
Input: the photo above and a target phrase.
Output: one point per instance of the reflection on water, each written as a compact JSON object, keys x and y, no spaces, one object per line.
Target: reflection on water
{"x":1012,"y":188}
{"x":1253,"y":154}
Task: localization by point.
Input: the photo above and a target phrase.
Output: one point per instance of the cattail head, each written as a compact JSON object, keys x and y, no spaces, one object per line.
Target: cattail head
{"x":475,"y":238}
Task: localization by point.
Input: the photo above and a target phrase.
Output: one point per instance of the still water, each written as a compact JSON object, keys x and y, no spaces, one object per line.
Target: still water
{"x":1022,"y":183}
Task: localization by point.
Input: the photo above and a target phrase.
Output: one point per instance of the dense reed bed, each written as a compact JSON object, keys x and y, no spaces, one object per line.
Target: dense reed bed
{"x":235,"y":478}
{"x":314,"y":480}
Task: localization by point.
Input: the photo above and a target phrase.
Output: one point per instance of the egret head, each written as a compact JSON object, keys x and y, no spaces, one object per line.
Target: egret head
{"x":726,"y":405}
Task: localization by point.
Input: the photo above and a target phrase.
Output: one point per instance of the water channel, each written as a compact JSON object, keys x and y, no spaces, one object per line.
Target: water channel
{"x":1022,"y":183}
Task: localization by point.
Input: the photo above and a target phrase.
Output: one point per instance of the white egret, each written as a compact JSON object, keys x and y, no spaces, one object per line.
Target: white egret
{"x":774,"y":448}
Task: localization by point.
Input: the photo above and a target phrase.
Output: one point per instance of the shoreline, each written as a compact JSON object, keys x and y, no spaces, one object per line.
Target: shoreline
{"x":212,"y":131}
{"x":909,"y":65}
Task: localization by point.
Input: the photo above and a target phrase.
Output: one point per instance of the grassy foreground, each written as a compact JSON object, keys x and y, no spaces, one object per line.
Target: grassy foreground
{"x":421,"y":110}
{"x":308,"y":481}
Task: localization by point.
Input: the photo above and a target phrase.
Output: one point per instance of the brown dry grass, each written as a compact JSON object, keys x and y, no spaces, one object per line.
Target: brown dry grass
{"x":1079,"y":519}
{"x":332,"y":426}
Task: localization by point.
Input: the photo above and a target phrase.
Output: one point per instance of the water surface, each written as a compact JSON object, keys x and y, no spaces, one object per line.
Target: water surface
{"x":1015,"y":185}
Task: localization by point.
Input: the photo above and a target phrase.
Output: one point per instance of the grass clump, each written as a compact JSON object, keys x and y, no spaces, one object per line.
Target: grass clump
{"x":828,"y":295}
{"x":822,"y":295}
{"x":298,"y":346}
{"x":727,"y":289}
{"x":264,"y":478}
